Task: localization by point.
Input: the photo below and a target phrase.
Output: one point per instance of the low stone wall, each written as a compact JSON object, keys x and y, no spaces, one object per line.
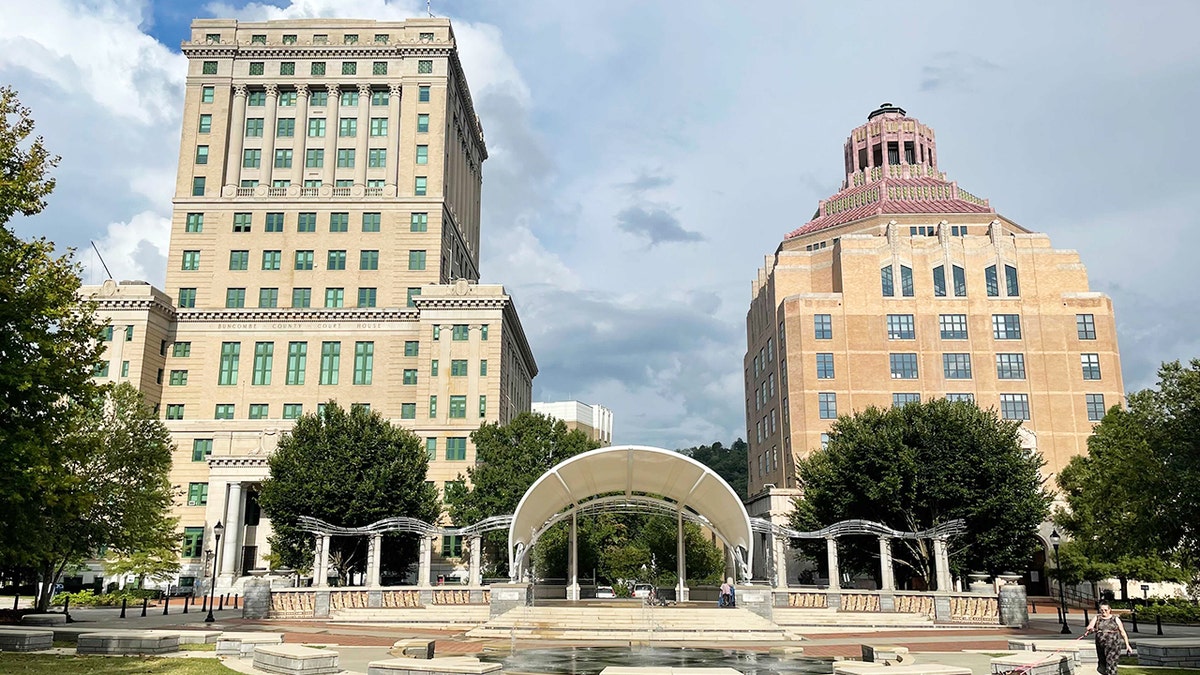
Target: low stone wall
{"x":295,"y":660}
{"x":942,"y":607}
{"x":128,"y":642}
{"x":25,"y":639}
{"x":309,"y":603}
{"x":1169,"y":653}
{"x":461,"y":665}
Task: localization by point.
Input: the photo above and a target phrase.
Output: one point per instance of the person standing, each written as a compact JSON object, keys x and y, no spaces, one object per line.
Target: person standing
{"x":1110,"y":633}
{"x":726,"y":593}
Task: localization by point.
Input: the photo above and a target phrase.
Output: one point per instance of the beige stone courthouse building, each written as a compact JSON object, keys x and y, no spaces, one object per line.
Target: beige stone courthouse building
{"x":325,"y":245}
{"x":904,"y":287}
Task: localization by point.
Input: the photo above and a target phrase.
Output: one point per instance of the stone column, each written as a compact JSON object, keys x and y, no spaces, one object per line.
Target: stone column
{"x":298,"y":155}
{"x":374,"y":559}
{"x":831,"y":556}
{"x":364,"y":132}
{"x":887,"y":578}
{"x":681,"y":589}
{"x":426,"y":563}
{"x":268,"y":146}
{"x":331,"y":132}
{"x":476,"y":578}
{"x":393,"y":139}
{"x":779,"y":553}
{"x":318,"y":560}
{"x":941,"y":561}
{"x":573,"y":561}
{"x":237,"y":135}
{"x":233,"y":532}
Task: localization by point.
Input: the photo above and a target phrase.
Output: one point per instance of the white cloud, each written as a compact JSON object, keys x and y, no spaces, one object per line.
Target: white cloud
{"x":136,"y":249}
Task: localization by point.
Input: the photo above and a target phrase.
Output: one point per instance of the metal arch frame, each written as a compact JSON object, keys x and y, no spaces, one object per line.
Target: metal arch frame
{"x":403,"y":524}
{"x":634,"y":504}
{"x":845,"y":528}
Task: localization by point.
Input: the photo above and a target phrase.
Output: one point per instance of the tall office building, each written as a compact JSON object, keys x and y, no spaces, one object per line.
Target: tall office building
{"x":594,"y":420}
{"x":324,"y":246}
{"x":905,"y":287}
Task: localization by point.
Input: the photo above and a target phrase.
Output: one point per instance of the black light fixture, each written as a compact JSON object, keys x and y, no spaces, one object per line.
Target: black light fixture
{"x":1055,"y":540}
{"x":212,"y":589}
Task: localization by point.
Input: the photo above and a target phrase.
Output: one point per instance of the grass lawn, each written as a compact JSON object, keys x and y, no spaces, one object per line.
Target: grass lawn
{"x":45,"y":664}
{"x":198,"y":647}
{"x":1136,"y":670}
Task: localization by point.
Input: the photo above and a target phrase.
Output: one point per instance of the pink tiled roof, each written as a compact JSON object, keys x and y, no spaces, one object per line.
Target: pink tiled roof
{"x":923,"y":194}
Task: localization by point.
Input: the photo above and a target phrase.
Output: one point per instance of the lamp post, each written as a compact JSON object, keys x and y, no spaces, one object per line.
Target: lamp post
{"x":1054,"y":541}
{"x":212,"y":589}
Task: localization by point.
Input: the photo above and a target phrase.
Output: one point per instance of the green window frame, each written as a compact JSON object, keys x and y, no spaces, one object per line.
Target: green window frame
{"x":187,"y":297}
{"x":371,"y":221}
{"x":461,"y":332}
{"x":458,"y":407}
{"x":422,"y":154}
{"x":339,"y":222}
{"x":456,"y":448}
{"x":174,"y":411}
{"x":483,"y":332}
{"x":239,"y":261}
{"x":316,"y":127}
{"x":304,"y":259}
{"x":433,"y":406}
{"x":274,"y":222}
{"x":101,"y":370}
{"x":292,"y":411}
{"x":347,"y":127}
{"x":181,"y":350}
{"x":412,"y":295}
{"x":209,"y":67}
{"x":408,"y":411}
{"x":420,"y":184}
{"x":412,"y":347}
{"x":416,"y":260}
{"x":431,"y":448}
{"x":227,"y":374}
{"x":301,"y":297}
{"x":223,"y":411}
{"x":331,"y":356}
{"x":201,"y":449}
{"x":379,"y":97}
{"x":235,"y":298}
{"x":423,"y":123}
{"x":433,"y":367}
{"x":482,"y":405}
{"x":378,"y":126}
{"x":297,"y":362}
{"x":204,"y":126}
{"x":268,"y":297}
{"x":264,"y":358}
{"x":379,"y":67}
{"x":197,"y":494}
{"x":335,"y":260}
{"x":410,"y":376}
{"x":193,"y":222}
{"x":314,"y":158}
{"x":424,"y":66}
{"x":423,"y":92}
{"x":193,"y":542}
{"x":283,"y":158}
{"x":272,"y":260}
{"x":419,"y":222}
{"x":368,"y":260}
{"x":335,"y":297}
{"x":345,"y":158}
{"x":483,"y":368}
{"x":349,"y":68}
{"x":306,"y":222}
{"x":207,"y":94}
{"x":259,"y":411}
{"x":317,"y":68}
{"x":191,"y":261}
{"x":254,"y":129}
{"x":364,"y":362}
{"x":178,"y":378}
{"x":376,"y":158}
{"x":287,"y":68}
{"x":367,"y":296}
{"x":202,"y":154}
{"x":243,"y":222}
{"x":256,"y":68}
{"x":198,"y":186}
{"x":458,"y":368}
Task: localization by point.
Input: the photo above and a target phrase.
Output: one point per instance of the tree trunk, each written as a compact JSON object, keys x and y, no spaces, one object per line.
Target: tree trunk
{"x":1124,"y":588}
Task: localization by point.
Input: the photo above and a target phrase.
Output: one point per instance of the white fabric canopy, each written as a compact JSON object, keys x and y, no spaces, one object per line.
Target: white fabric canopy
{"x":631,"y":469}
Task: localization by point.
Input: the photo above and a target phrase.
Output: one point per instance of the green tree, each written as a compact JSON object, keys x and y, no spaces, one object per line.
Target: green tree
{"x":508,"y":459}
{"x":921,"y":465}
{"x":116,"y":495}
{"x":729,"y":463}
{"x":159,"y":565}
{"x":49,"y":345}
{"x":1132,"y":502}
{"x":348,"y":468}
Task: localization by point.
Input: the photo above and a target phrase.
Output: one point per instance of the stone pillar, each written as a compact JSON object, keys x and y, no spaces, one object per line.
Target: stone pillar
{"x":573,"y":561}
{"x":237,"y":136}
{"x":887,"y":578}
{"x":233,"y":533}
{"x":321,"y":567}
{"x":682,"y":593}
{"x":831,"y":555}
{"x":393,"y":139}
{"x":476,"y":578}
{"x":256,"y":599}
{"x":374,"y":559}
{"x":779,"y":553}
{"x":426,"y":563}
{"x":1014,"y":608}
{"x":331,"y":132}
{"x":941,"y":562}
{"x":268,"y":145}
{"x":298,"y":155}
{"x":364,"y":132}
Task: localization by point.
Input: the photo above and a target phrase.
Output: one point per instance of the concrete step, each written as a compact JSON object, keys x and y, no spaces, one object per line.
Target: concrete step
{"x":793,"y":617}
{"x":619,"y":623}
{"x":435,"y":614}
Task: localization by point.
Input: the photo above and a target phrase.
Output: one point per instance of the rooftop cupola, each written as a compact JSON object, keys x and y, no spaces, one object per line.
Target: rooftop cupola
{"x":889,"y":139}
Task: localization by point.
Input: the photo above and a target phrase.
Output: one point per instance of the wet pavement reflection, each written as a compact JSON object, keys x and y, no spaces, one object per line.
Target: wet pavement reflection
{"x":592,"y":660}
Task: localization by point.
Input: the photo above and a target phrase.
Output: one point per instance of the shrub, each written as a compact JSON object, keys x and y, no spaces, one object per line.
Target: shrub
{"x":84,"y":598}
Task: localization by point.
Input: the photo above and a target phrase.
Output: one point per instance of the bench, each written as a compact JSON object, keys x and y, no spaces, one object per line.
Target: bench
{"x":1036,"y":663}
{"x":295,"y":660}
{"x":860,"y":668}
{"x":458,"y":665}
{"x":232,"y":643}
{"x":887,"y":654}
{"x":413,"y":648}
{"x":1169,"y":652}
{"x":44,"y":620}
{"x":127,"y":642}
{"x":25,"y":639}
{"x":1085,"y":650}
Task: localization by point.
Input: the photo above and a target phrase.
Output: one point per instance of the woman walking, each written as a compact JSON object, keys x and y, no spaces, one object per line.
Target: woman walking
{"x":1109,"y":636}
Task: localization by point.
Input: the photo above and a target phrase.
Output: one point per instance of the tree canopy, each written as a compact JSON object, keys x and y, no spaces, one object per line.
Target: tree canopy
{"x":349,"y":468}
{"x":1133,"y":502}
{"x":729,"y":463}
{"x":508,"y":459}
{"x":921,"y":465}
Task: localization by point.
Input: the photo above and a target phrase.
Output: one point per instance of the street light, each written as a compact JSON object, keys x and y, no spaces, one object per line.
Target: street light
{"x":212,"y":589}
{"x":1055,"y":540}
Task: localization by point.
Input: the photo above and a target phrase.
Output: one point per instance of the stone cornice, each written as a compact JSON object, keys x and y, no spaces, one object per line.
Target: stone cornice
{"x":111,"y":303}
{"x":456,"y":302}
{"x":238,"y":461}
{"x":302,"y":316}
{"x":317,"y":51}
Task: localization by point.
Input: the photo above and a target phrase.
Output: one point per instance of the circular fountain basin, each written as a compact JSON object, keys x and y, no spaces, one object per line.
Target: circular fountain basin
{"x":592,"y":660}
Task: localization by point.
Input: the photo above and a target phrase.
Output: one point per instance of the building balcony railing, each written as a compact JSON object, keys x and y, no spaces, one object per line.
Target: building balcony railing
{"x":309,"y":192}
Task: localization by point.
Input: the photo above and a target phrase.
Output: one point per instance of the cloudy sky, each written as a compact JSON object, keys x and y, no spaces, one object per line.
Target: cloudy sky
{"x":646,"y":155}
